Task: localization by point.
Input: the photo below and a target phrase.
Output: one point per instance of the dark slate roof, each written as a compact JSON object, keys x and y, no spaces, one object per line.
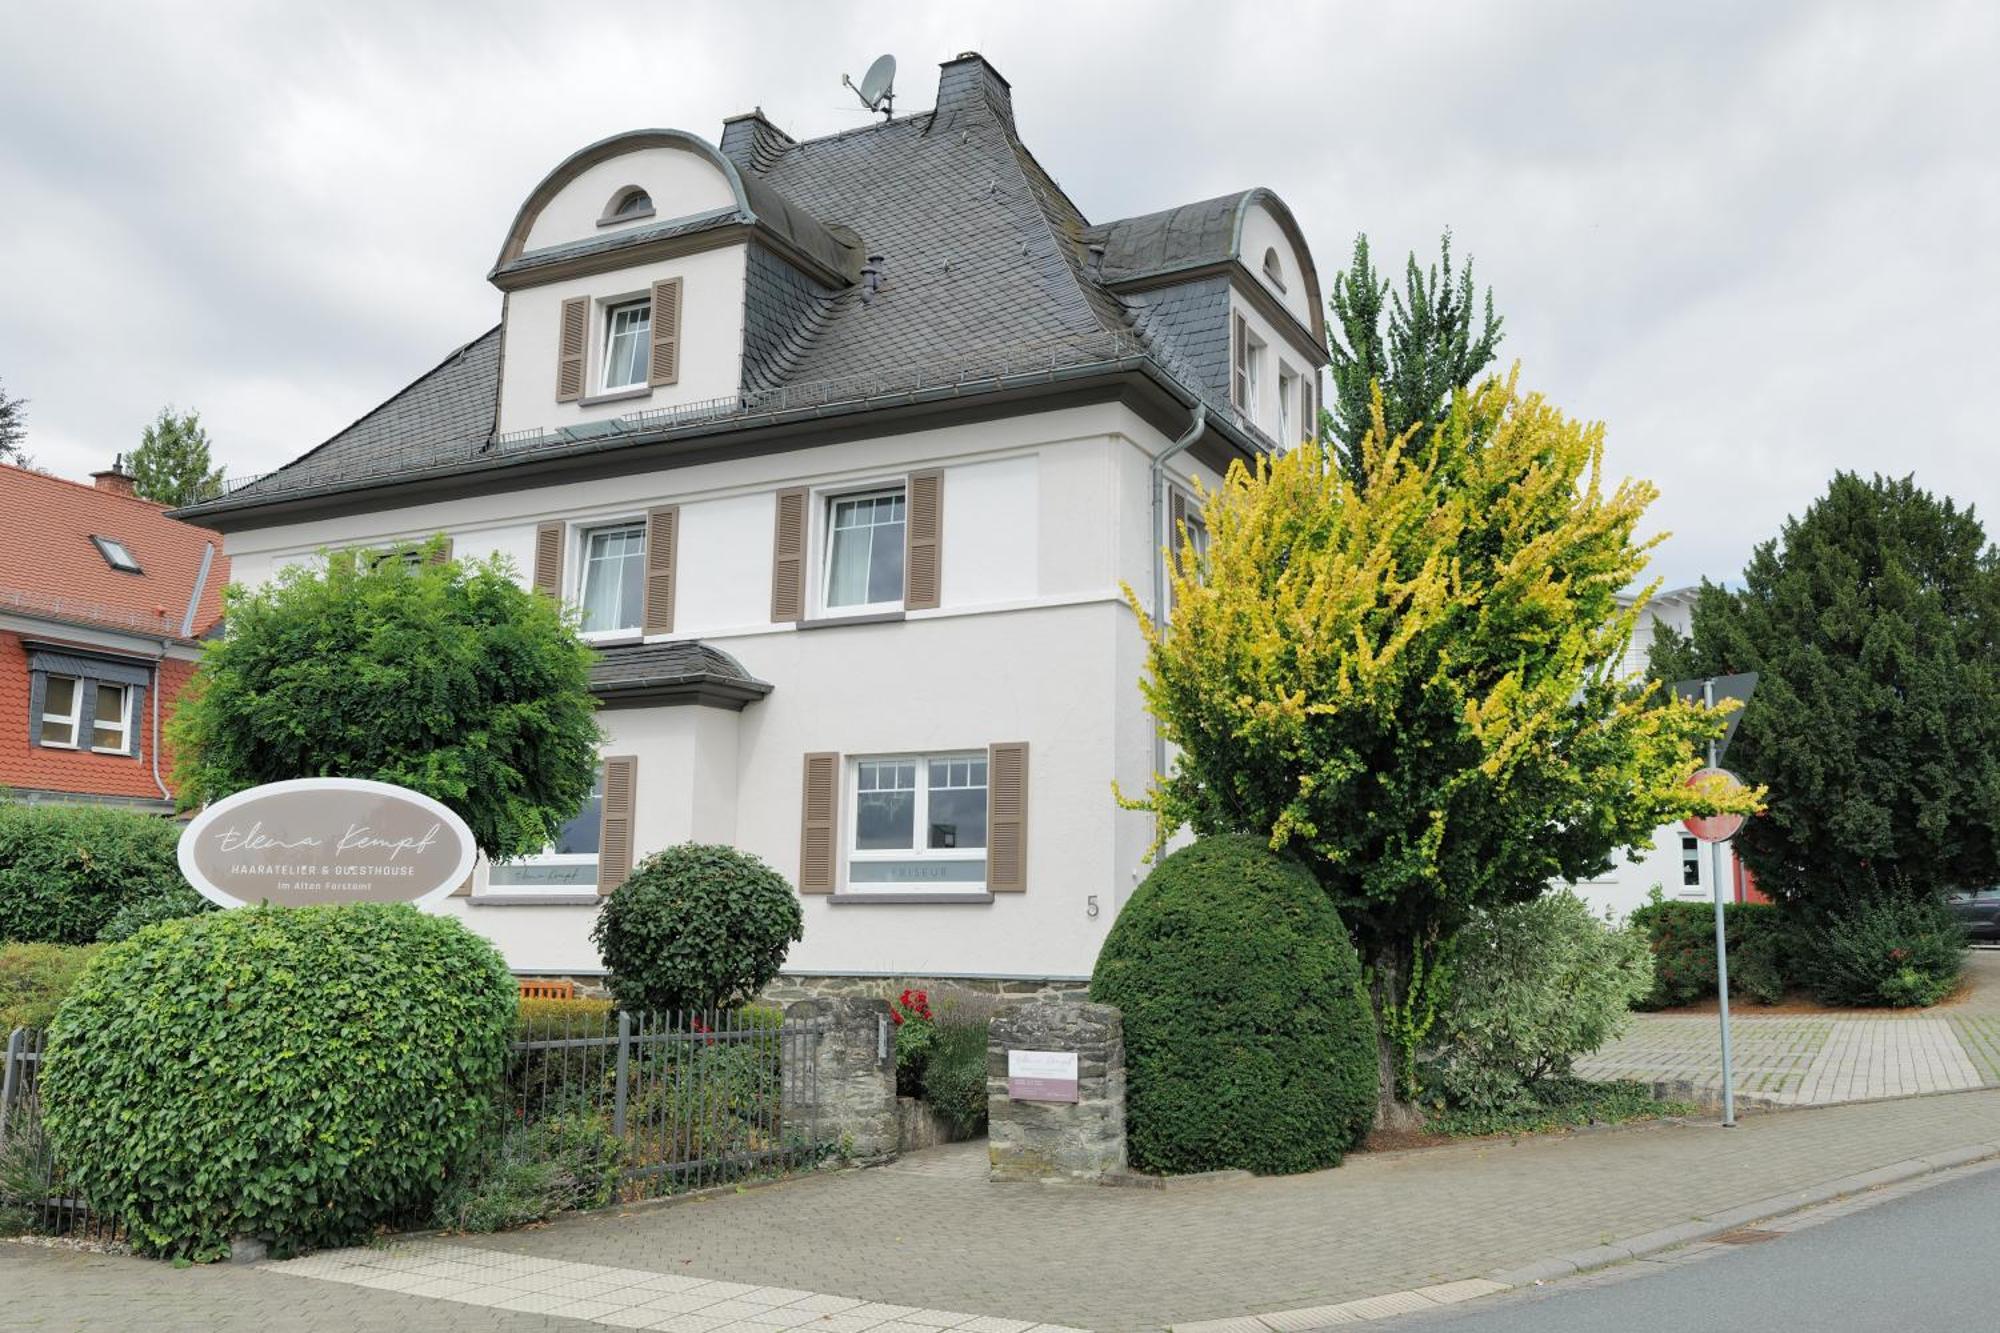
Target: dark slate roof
{"x":682,"y":672}
{"x":986,"y":268}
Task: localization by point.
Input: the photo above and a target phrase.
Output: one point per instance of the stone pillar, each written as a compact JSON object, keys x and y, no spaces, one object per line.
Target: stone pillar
{"x":1081,"y":1141}
{"x":840,"y":1080}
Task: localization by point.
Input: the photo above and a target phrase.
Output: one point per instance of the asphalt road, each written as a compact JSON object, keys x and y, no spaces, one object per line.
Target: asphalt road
{"x":1920,"y":1262}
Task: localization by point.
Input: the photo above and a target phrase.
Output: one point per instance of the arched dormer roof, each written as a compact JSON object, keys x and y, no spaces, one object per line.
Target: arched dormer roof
{"x":1146,"y":250}
{"x":755,"y":204}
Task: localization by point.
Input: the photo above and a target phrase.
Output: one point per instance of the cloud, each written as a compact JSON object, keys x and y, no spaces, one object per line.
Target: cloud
{"x":1753,"y":239}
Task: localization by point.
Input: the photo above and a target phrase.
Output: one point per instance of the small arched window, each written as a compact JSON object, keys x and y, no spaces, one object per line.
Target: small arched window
{"x":629,"y":203}
{"x":1273,"y":270}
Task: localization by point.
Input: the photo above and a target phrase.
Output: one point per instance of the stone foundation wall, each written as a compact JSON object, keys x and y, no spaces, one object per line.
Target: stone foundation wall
{"x":1080,"y":1141}
{"x":789,"y":988}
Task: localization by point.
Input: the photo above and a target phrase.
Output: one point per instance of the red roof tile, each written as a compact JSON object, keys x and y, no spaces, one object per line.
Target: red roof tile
{"x":49,"y":565}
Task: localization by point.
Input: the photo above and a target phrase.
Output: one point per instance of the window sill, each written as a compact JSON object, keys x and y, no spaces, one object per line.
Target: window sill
{"x":609,"y":638}
{"x":624,"y":395}
{"x":865,"y":618}
{"x":872,"y":899}
{"x":578,"y":898}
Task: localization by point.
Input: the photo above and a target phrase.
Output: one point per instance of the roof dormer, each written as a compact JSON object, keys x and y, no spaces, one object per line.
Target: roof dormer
{"x":626,"y":270}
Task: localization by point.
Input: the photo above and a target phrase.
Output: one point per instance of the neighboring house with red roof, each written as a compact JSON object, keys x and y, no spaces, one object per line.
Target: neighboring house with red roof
{"x":104,"y":601}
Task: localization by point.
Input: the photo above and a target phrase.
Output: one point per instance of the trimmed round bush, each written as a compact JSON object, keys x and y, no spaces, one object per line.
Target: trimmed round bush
{"x":301,"y":1075}
{"x":65,"y":869}
{"x":1248,"y":1040}
{"x":696,"y":926}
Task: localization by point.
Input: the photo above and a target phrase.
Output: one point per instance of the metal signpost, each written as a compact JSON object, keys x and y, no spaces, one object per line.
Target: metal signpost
{"x":1716,"y":831}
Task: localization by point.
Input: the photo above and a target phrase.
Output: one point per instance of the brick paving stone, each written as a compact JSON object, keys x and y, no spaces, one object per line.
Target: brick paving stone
{"x":931,"y":1237}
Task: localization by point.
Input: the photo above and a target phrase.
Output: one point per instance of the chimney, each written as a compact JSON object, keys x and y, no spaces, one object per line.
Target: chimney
{"x":116,"y":479}
{"x":753,"y":143}
{"x":971,"y":89}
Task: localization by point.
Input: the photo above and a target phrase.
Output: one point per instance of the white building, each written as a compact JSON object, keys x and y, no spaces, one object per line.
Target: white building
{"x":844,"y":448}
{"x":1678,"y":864}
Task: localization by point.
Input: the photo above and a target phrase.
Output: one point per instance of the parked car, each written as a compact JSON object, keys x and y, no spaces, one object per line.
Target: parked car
{"x":1978,"y":910}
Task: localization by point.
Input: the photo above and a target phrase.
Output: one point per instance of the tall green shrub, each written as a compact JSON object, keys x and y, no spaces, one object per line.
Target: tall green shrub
{"x":298,"y":1074}
{"x":696,"y":927}
{"x":1900,"y":952}
{"x":1248,"y":1040}
{"x":1533,"y":986}
{"x":66,"y":869}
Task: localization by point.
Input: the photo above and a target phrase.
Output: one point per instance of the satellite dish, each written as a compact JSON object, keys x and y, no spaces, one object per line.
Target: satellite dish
{"x":878,"y":86}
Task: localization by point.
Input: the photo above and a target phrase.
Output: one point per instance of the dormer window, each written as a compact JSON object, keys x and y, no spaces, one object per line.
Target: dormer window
{"x":116,"y":556}
{"x":628,"y":331}
{"x":1273,"y":270}
{"x":628,"y":205}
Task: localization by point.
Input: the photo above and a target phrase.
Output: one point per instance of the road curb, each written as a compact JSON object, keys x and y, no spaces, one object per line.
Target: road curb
{"x":1731,"y":1219}
{"x":1389,"y":1304}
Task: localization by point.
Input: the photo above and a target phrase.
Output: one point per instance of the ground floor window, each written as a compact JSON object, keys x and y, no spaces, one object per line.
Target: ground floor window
{"x":919,"y":822}
{"x":570,"y":862}
{"x":1690,"y":861}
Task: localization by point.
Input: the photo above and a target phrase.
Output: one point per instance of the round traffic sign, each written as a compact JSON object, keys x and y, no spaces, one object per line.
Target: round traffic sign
{"x":1713,"y":828}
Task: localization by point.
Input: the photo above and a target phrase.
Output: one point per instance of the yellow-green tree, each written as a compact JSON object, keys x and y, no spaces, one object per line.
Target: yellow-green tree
{"x":1414,"y":683}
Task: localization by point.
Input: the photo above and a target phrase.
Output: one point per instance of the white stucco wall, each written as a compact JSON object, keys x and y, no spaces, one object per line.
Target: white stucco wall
{"x":711,"y":354}
{"x":682,"y":183}
{"x":1261,"y":232}
{"x":1044,"y":517}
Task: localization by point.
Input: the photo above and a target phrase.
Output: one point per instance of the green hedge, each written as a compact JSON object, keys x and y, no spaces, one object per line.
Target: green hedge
{"x":1682,"y":936}
{"x":302,"y":1075}
{"x":1248,"y":1040}
{"x":696,"y":926}
{"x":66,"y":869}
{"x":34,"y":978}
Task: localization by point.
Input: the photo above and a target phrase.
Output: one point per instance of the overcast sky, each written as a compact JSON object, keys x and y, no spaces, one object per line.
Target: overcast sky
{"x":1757,"y":240}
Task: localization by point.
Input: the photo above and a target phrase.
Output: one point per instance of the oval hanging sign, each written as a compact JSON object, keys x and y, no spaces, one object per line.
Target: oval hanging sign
{"x":315,"y":841}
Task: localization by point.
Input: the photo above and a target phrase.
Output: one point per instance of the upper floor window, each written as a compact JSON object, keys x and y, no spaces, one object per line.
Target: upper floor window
{"x":628,"y":333}
{"x":612,"y":585}
{"x":1247,"y":379}
{"x":62,"y":712}
{"x":866,"y":536}
{"x":1273,"y":270}
{"x":628,"y":205}
{"x":61,"y":724}
{"x":1288,"y":388}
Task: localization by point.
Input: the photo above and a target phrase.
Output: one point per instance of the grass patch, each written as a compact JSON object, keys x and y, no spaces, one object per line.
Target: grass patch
{"x":1564,"y":1103}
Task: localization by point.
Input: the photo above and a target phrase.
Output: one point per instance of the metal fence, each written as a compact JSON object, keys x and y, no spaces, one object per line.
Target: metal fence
{"x":694,"y":1098}
{"x":30,"y":1181}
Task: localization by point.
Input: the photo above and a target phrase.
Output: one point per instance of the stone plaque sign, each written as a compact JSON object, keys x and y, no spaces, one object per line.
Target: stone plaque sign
{"x":326,"y":840}
{"x":1041,"y":1076}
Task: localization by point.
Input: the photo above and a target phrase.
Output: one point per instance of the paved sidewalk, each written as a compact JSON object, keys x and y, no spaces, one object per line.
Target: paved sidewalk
{"x":931,"y":1234}
{"x":1818,"y":1060}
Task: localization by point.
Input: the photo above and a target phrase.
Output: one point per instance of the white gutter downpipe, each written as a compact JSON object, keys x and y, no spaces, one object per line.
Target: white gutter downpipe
{"x":1162,"y":540}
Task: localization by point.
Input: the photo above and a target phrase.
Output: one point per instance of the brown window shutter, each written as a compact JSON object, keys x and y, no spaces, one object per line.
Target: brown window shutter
{"x":570,"y":346}
{"x":614,"y":837}
{"x":665,"y":366}
{"x":819,"y":819}
{"x":549,"y":559}
{"x":788,"y":557}
{"x":1177,"y":513}
{"x":1007,"y":817}
{"x":1239,"y":366}
{"x":441,"y":554}
{"x":922,"y":559}
{"x":663,"y":527}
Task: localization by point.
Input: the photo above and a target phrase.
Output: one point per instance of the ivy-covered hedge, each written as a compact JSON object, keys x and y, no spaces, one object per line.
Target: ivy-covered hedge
{"x":301,"y":1075}
{"x":66,"y":869}
{"x":1248,"y":1040}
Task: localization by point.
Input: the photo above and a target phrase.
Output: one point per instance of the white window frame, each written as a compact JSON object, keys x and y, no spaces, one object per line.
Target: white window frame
{"x":124,"y":727}
{"x":1288,"y":388}
{"x":608,"y":317}
{"x":919,"y":824}
{"x":1688,"y":842}
{"x":580,"y":535}
{"x":75,"y":717}
{"x":1254,"y":351}
{"x":549,"y":856}
{"x":826,"y":502}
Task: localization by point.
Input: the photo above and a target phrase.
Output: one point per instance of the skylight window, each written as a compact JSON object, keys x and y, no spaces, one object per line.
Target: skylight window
{"x":116,"y":556}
